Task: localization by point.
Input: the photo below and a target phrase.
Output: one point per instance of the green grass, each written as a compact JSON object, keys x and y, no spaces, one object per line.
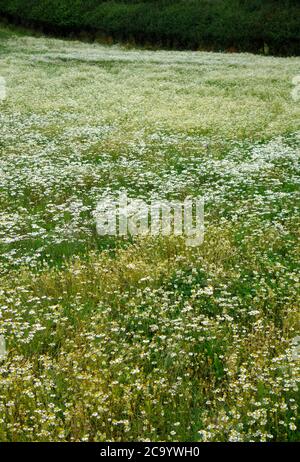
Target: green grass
{"x":138,"y":339}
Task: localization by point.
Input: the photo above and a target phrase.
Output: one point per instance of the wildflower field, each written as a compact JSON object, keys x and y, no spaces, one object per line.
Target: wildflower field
{"x":147,"y":339}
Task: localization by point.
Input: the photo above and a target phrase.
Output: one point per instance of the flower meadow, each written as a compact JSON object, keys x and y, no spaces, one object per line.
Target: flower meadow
{"x":144,"y":338}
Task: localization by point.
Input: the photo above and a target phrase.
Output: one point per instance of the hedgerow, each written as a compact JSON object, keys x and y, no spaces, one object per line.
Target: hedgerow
{"x":237,"y":25}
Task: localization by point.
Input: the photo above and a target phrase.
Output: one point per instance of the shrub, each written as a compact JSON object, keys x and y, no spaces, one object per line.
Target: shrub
{"x":242,"y":25}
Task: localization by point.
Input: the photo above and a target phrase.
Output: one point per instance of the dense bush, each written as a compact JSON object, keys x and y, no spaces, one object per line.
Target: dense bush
{"x":220,"y":24}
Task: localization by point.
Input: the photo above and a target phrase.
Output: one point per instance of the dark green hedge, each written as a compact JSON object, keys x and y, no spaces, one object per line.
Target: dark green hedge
{"x":242,"y":25}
